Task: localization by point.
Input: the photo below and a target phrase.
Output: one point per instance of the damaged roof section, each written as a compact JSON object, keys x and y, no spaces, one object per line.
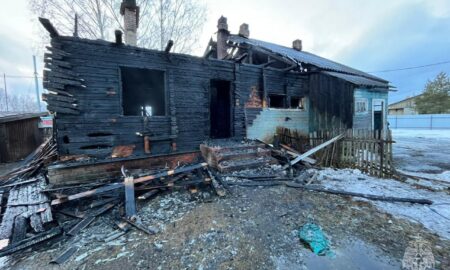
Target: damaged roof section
{"x":301,"y":57}
{"x":357,"y":80}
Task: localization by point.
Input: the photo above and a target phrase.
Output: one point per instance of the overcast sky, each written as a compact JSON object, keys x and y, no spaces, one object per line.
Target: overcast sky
{"x":369,"y":35}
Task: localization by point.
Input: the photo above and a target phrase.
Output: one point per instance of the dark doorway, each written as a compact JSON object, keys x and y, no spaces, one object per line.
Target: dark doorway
{"x":378,"y":114}
{"x":220,"y":109}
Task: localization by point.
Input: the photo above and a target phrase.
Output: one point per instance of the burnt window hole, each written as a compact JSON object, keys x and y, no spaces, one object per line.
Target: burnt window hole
{"x":143,"y":92}
{"x":95,"y":146}
{"x":66,"y":139}
{"x":99,"y":134}
{"x":277,"y":101}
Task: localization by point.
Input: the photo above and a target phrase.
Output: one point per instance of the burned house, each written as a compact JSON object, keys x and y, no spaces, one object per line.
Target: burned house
{"x":118,"y":102}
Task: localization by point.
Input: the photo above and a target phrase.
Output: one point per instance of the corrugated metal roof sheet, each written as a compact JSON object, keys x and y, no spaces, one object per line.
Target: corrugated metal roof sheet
{"x":358,"y":80}
{"x":15,"y":116}
{"x":304,"y":57}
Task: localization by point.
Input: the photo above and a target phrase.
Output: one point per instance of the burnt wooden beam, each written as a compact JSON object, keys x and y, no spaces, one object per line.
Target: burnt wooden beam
{"x":168,"y":46}
{"x":115,"y":186}
{"x":294,"y":66}
{"x":49,"y":27}
{"x":30,"y":241}
{"x":65,"y":255}
{"x":240,"y":57}
{"x":62,"y":110}
{"x":149,"y":194}
{"x":52,"y":97}
{"x":273,"y":55}
{"x":270,"y":62}
{"x":361,"y":195}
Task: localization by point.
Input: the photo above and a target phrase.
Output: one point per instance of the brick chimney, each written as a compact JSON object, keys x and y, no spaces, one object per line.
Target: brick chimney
{"x":244,"y":30}
{"x":297,"y":44}
{"x":222,"y":37}
{"x":130,"y":12}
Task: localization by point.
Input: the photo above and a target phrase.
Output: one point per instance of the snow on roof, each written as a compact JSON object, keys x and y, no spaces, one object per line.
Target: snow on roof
{"x":309,"y":58}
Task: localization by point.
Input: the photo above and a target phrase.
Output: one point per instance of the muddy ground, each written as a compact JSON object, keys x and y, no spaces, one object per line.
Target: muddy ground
{"x":254,"y":227}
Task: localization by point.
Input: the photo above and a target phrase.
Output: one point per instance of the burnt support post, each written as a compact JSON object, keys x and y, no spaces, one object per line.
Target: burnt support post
{"x":169,"y":46}
{"x":118,"y":35}
{"x":147,"y":147}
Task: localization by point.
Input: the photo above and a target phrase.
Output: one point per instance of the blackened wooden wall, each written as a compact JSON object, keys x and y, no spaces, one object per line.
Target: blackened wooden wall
{"x":97,"y":123}
{"x":331,"y":102}
{"x":89,"y":115}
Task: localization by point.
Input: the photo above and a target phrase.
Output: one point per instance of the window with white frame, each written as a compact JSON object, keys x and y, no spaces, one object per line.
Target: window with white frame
{"x":361,"y":105}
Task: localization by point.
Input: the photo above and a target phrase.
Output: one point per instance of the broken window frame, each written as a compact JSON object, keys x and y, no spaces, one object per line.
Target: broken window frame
{"x":361,"y":106}
{"x":166,"y":90}
{"x":301,"y":103}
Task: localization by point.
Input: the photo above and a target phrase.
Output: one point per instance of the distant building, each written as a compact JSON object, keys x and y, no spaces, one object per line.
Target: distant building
{"x":406,"y":106}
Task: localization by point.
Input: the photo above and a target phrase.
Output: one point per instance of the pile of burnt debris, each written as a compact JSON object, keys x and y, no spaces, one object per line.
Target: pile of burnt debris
{"x":34,"y":212}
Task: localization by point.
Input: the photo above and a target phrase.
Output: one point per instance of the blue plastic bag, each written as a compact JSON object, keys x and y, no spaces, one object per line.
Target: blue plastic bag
{"x":312,"y":234}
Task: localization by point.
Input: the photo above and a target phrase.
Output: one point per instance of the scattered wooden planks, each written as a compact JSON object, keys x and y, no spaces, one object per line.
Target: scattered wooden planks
{"x":42,"y":155}
{"x":115,"y":186}
{"x":29,"y":201}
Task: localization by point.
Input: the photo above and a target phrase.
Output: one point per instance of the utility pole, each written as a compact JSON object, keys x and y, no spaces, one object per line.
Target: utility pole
{"x":6,"y":92}
{"x":36,"y":84}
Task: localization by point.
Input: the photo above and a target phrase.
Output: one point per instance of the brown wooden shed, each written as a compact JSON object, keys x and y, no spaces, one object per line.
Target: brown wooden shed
{"x":19,"y":135}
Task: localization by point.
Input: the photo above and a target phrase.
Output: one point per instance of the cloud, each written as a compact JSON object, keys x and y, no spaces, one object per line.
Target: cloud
{"x":416,"y":36}
{"x":368,"y":35}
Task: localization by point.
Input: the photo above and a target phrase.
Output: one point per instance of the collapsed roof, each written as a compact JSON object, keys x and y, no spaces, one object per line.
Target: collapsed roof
{"x":300,"y":58}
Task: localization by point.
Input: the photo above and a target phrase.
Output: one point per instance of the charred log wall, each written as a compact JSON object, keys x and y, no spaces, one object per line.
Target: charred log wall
{"x":331,"y":102}
{"x":89,"y":113}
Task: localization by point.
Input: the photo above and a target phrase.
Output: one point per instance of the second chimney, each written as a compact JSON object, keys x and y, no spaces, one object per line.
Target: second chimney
{"x":222,"y":38}
{"x":244,"y":30}
{"x":297,"y":45}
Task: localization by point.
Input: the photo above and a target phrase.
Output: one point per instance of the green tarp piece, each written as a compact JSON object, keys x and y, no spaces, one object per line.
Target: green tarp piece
{"x":312,"y":234}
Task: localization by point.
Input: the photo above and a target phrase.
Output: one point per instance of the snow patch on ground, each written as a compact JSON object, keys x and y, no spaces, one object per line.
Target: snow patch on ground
{"x":423,"y":151}
{"x":435,"y":217}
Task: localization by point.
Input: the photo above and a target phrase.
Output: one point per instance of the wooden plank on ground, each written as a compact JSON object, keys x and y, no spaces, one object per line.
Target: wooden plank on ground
{"x":130,"y":202}
{"x":314,"y":150}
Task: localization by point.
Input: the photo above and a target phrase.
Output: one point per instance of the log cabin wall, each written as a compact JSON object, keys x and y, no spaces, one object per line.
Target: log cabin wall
{"x":96,"y":124}
{"x":90,"y":118}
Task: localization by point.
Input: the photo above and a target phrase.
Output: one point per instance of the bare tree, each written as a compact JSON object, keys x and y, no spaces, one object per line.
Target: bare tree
{"x":17,"y":103}
{"x":160,"y":20}
{"x":179,"y":20}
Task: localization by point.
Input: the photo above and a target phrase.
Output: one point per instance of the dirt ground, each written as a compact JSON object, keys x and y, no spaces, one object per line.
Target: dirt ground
{"x":252,"y":228}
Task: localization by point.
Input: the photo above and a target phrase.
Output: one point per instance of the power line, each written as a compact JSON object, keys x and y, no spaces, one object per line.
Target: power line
{"x":407,"y":68}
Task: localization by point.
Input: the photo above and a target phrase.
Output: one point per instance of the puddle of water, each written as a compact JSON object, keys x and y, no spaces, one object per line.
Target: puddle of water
{"x":354,"y":255}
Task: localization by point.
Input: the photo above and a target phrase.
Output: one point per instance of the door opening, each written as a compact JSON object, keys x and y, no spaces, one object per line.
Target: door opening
{"x":378,"y":114}
{"x":220,"y":109}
